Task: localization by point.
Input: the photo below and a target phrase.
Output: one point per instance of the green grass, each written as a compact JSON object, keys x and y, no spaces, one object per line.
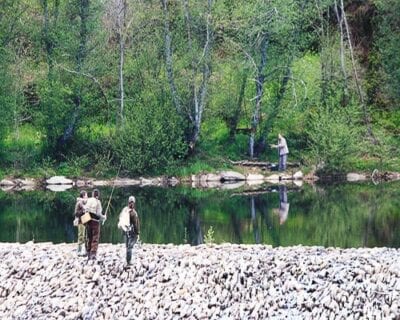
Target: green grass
{"x":21,"y":155}
{"x":27,"y":135}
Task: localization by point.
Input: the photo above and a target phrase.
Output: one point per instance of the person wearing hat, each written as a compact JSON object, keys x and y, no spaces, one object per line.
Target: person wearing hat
{"x":130,"y":225}
{"x":93,"y":206}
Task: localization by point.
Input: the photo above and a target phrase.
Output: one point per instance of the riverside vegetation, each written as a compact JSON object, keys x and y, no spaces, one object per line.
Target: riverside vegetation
{"x":179,"y":87}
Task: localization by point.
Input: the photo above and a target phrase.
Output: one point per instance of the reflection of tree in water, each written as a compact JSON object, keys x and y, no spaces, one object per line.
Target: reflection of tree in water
{"x":36,"y":215}
{"x":378,"y":229}
{"x":236,"y":226}
{"x":266,"y":214}
{"x":264,"y":207}
{"x":195,"y":234}
{"x":257,"y":238}
{"x":341,"y":215}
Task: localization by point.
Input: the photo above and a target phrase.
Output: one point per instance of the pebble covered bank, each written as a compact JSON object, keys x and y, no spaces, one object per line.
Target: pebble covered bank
{"x":46,"y":281}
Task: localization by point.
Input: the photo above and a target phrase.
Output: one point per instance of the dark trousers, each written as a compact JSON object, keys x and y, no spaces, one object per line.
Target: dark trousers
{"x":130,"y":240}
{"x":282,"y":162}
{"x":93,"y":232}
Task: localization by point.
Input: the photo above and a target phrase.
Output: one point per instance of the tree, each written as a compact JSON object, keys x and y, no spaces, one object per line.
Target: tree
{"x":191,"y":105}
{"x":14,"y":38}
{"x":263,"y":32}
{"x":388,"y":45}
{"x":72,"y":91}
{"x":151,"y":138}
{"x":117,"y":15}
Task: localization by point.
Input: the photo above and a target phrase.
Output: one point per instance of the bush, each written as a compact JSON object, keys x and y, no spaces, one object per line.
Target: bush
{"x":333,"y":137}
{"x":150,"y":140}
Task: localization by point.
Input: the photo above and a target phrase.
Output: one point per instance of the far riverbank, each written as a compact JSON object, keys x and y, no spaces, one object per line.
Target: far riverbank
{"x":229,"y":179}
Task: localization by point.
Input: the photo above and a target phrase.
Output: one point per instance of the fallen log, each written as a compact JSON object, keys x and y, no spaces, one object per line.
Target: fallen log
{"x":269,"y":165}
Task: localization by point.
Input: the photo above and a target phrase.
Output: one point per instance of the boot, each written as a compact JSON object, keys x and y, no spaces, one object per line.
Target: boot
{"x":79,"y":249}
{"x":129,"y":256}
{"x":91,"y":256}
{"x":83,"y":252}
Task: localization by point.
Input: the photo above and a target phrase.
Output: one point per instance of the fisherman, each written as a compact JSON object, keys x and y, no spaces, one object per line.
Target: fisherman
{"x":93,"y":206}
{"x":78,"y":213}
{"x":130,"y":225}
{"x":283,"y":152}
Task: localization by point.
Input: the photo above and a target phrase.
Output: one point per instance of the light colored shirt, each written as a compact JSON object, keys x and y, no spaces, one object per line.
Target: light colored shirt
{"x":129,"y":217}
{"x":93,"y":205}
{"x":282,"y":147}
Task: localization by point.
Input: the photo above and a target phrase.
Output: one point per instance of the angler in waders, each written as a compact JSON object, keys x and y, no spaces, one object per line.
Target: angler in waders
{"x":93,"y":206}
{"x":78,"y":213}
{"x":129,"y":223}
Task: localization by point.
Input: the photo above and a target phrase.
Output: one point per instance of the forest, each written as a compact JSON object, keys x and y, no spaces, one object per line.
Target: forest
{"x":176,"y":86}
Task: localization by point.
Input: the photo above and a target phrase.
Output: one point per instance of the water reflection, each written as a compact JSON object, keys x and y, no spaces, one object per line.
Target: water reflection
{"x":348,"y":215}
{"x":283,"y":211}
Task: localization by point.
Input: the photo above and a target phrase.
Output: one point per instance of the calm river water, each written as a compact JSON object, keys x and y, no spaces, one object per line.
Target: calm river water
{"x":343,"y":215}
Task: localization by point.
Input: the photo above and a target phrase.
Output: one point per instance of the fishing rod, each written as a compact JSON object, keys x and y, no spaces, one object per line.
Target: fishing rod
{"x":112,"y":191}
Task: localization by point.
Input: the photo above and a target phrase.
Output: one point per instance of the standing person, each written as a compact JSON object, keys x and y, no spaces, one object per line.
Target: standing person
{"x":93,"y":206}
{"x":130,"y":224}
{"x":78,"y":213}
{"x":283,"y":151}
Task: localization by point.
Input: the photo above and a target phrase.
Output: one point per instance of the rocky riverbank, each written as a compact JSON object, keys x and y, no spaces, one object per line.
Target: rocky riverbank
{"x":45,"y":281}
{"x":217,"y":180}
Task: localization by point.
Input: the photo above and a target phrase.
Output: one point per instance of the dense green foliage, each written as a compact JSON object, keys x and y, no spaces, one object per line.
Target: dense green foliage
{"x":92,"y":86}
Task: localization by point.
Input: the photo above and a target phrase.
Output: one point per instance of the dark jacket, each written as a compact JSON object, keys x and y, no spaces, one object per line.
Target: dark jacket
{"x":79,"y":207}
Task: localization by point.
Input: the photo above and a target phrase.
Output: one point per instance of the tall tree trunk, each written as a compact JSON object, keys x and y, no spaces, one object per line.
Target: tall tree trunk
{"x":200,"y":102}
{"x":121,"y":24}
{"x":340,"y":20}
{"x":277,"y":103}
{"x":233,"y":122}
{"x":323,"y":36}
{"x":259,"y":92}
{"x":46,"y":37}
{"x":81,"y":54}
{"x":367,"y":121}
{"x":257,"y":238}
{"x":168,"y":57}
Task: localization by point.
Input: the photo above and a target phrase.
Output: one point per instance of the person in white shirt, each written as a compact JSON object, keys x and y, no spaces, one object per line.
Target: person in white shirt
{"x":130,"y":224}
{"x":283,"y":152}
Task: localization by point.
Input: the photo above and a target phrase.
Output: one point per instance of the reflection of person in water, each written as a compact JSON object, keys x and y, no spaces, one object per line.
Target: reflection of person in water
{"x":283,"y":204}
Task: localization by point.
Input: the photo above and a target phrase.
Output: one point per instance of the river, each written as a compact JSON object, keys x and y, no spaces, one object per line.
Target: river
{"x":336,"y":215}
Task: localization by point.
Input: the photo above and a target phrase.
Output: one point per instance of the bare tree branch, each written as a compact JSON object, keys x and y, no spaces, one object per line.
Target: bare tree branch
{"x":94,"y":79}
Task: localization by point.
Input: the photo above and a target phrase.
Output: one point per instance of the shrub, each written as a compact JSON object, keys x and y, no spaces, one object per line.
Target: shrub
{"x":333,"y":136}
{"x":150,"y":140}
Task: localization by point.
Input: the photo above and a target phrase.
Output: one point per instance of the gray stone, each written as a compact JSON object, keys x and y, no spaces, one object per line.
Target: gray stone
{"x":298,"y":175}
{"x":59,"y":187}
{"x":7,"y":183}
{"x":232,"y":176}
{"x":254,"y":177}
{"x":59,"y":180}
{"x":355,"y":177}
